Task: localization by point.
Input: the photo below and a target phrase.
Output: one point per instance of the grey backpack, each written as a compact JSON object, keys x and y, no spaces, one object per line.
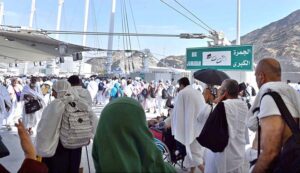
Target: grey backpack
{"x":76,"y":127}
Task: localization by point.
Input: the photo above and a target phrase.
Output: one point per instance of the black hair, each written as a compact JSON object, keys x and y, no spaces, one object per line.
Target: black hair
{"x":184,"y":81}
{"x":74,"y":80}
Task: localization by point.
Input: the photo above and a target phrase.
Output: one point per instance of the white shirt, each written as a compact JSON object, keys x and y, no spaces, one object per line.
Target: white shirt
{"x":128,"y":90}
{"x":268,"y":107}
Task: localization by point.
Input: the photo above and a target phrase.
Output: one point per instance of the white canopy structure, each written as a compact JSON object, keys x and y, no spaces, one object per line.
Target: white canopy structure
{"x":20,"y":45}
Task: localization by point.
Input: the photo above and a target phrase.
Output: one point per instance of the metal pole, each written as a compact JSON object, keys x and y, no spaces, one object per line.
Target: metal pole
{"x":32,"y":13}
{"x":110,"y":38}
{"x":85,"y":26}
{"x":1,"y":12}
{"x":86,"y":17}
{"x":60,"y":5}
{"x":238,"y":42}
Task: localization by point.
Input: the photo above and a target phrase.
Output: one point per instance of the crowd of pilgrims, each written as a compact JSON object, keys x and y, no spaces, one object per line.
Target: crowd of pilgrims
{"x":152,"y":95}
{"x":122,"y":138}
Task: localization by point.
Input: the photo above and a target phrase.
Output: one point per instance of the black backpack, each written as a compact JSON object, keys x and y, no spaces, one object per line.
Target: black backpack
{"x":152,"y":93}
{"x":165,"y":94}
{"x":289,"y":158}
{"x":215,"y":135}
{"x":253,"y":92}
{"x":145,"y":93}
{"x":101,"y":86}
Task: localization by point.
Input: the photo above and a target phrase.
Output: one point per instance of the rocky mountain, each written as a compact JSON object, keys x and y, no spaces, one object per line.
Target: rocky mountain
{"x":280,"y":39}
{"x":173,"y":61}
{"x":122,"y":61}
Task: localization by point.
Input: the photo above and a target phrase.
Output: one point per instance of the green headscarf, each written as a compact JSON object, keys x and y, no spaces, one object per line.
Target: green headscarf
{"x":123,"y":142}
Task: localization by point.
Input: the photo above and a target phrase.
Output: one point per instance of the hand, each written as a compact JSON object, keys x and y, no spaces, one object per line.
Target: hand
{"x":207,"y":95}
{"x":220,"y":98}
{"x":26,"y":143}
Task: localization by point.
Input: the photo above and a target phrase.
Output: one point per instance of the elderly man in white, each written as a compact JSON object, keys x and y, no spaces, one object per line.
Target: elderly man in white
{"x":231,"y":160}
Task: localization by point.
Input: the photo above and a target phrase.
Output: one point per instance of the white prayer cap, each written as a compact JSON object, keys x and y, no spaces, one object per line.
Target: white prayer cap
{"x":61,"y":87}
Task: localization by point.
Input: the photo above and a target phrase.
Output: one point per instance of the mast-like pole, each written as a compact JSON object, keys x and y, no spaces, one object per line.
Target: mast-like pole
{"x":86,"y":18}
{"x":85,"y":27}
{"x":238,"y":42}
{"x":1,"y":12}
{"x":60,"y":5}
{"x":32,"y":13}
{"x":110,"y":38}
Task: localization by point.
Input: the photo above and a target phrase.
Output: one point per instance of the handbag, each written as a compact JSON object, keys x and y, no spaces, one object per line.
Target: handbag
{"x":32,"y":106}
{"x":215,"y":135}
{"x":289,"y":158}
{"x":3,"y":149}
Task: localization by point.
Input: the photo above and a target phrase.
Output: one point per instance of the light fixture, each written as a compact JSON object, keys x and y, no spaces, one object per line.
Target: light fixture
{"x":63,"y":49}
{"x":9,"y":39}
{"x":61,"y":59}
{"x":77,"y":56}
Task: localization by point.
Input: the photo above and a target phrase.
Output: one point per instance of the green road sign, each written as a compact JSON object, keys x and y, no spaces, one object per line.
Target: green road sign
{"x":221,"y":58}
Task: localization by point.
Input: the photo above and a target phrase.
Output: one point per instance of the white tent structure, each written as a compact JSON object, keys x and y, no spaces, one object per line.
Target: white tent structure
{"x":21,"y":45}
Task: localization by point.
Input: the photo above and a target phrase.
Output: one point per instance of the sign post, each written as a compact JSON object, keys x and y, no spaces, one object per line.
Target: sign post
{"x":232,"y":58}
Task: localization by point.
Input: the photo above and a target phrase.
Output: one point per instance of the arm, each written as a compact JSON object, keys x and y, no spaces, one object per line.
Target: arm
{"x":29,"y":164}
{"x":26,"y":143}
{"x":272,"y":128}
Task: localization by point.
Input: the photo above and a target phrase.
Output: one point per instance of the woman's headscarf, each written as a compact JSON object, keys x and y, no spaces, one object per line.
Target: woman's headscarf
{"x":123,"y":142}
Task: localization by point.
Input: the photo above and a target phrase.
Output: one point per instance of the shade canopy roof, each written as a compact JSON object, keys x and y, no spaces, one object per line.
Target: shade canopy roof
{"x":30,"y":45}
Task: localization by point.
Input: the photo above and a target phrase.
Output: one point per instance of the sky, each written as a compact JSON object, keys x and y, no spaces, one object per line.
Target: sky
{"x":151,"y":16}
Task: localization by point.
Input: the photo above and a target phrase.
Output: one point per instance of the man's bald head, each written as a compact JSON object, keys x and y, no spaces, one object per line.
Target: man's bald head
{"x":267,"y":70}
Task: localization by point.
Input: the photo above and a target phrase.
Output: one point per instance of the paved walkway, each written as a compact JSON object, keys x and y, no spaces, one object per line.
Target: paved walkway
{"x":14,"y":160}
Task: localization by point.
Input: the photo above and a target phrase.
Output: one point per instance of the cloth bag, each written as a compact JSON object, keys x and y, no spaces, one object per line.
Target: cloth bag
{"x":214,"y":134}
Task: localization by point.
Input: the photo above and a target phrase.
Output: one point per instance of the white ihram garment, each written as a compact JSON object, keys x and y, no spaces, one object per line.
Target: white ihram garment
{"x":185,"y":126}
{"x":4,"y":100}
{"x":31,"y":120}
{"x":231,"y":160}
{"x":17,"y":107}
{"x":93,"y":89}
